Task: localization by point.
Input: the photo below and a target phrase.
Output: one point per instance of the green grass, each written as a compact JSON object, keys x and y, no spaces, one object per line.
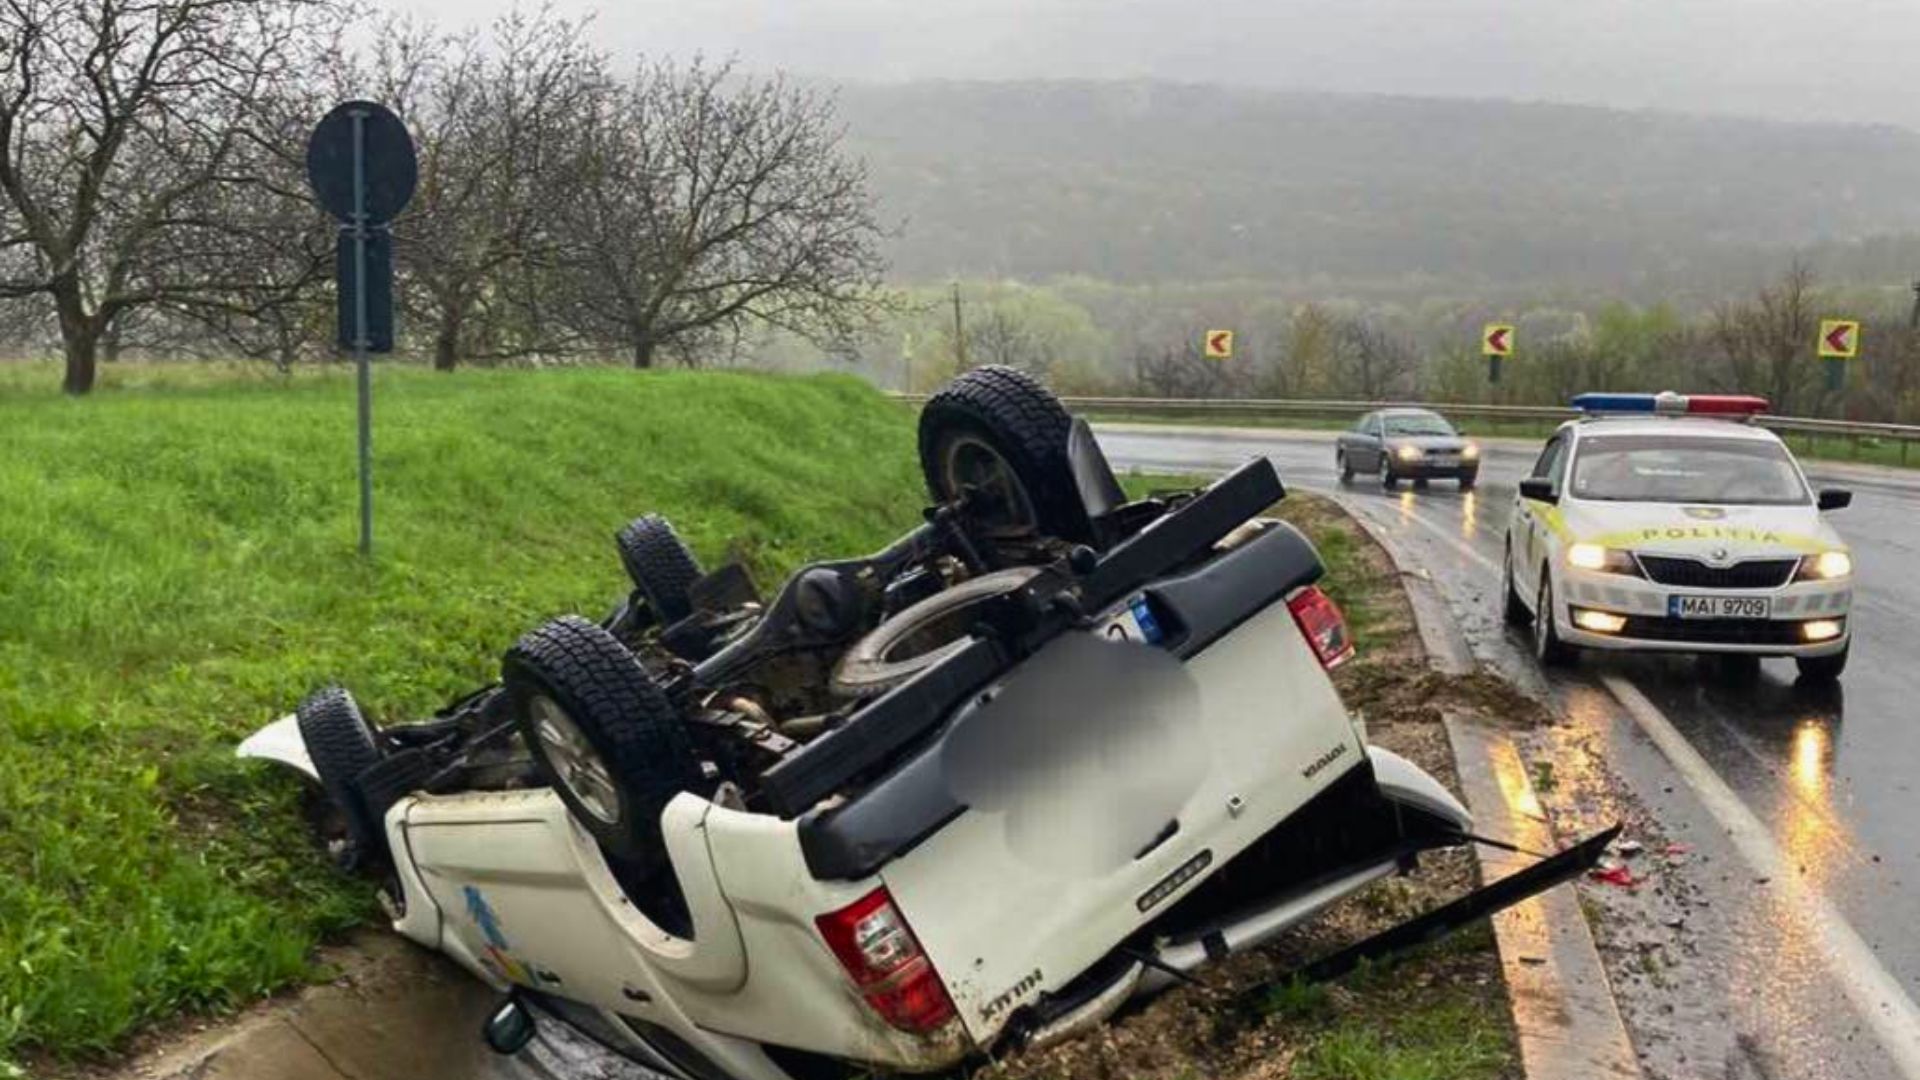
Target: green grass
{"x":1439,"y":1042}
{"x":177,"y":567}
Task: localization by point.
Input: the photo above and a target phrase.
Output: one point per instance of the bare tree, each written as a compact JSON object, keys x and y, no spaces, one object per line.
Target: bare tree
{"x":709,"y":203}
{"x":493,"y":117}
{"x":1768,"y":342}
{"x":1372,"y":363}
{"x":122,"y":124}
{"x":998,"y":336}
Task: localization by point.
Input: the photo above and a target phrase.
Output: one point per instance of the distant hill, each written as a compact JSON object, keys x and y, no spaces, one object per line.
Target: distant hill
{"x":1150,"y":181}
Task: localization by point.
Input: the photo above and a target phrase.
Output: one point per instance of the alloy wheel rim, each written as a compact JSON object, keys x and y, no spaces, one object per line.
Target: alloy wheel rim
{"x":576,"y":764}
{"x":975,"y":464}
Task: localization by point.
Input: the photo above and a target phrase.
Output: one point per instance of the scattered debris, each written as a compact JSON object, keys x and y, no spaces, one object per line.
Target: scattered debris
{"x":1615,"y":875}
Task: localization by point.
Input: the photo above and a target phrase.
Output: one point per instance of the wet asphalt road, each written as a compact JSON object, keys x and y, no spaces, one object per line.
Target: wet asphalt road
{"x":1751,"y":977}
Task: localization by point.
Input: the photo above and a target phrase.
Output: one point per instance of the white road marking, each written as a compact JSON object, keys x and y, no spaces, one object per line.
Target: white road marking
{"x":1875,"y":994}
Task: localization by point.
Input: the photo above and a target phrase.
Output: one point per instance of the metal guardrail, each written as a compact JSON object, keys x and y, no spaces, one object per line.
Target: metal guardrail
{"x":1854,"y":432}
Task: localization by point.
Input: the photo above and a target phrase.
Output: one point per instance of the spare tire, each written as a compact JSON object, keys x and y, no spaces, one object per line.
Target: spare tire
{"x":342,"y":747}
{"x":661,"y":566}
{"x":607,"y":739}
{"x":999,"y":433}
{"x":921,"y":635}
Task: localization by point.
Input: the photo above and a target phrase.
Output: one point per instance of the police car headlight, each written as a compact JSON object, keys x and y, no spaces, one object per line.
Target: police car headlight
{"x":1409,"y":453}
{"x":1605,"y":560}
{"x":1825,"y":566}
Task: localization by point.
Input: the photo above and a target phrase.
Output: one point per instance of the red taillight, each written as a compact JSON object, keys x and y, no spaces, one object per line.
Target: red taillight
{"x":1320,"y":620}
{"x":879,"y":951}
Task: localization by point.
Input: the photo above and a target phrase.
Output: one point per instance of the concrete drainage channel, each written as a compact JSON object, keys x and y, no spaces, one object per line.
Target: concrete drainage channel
{"x":396,"y":1011}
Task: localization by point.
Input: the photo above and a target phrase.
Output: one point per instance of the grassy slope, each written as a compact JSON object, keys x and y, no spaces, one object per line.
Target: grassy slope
{"x":177,"y":567}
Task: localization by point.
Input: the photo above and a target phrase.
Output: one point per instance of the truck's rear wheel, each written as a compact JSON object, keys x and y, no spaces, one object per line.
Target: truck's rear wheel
{"x":998,"y":433}
{"x":661,"y":566}
{"x":343,"y":746}
{"x":922,"y":635}
{"x":608,"y":740}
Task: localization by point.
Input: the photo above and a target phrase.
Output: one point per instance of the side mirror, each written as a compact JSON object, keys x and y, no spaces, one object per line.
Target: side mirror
{"x":1835,"y":498}
{"x":509,"y":1028}
{"x":1538,"y":488}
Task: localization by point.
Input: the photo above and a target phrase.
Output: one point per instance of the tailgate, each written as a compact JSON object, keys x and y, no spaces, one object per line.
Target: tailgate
{"x":1104,"y":779}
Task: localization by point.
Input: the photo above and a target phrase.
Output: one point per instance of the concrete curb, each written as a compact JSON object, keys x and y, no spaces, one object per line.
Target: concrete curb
{"x":397,"y":1011}
{"x":1563,"y":1007}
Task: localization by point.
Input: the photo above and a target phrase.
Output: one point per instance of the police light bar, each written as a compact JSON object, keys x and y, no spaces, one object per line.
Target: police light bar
{"x":1668,"y":403}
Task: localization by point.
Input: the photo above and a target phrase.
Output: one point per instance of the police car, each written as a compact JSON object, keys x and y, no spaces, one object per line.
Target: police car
{"x":1670,"y":523}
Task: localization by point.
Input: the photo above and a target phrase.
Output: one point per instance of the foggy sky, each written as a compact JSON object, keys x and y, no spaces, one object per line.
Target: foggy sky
{"x":1850,"y":60}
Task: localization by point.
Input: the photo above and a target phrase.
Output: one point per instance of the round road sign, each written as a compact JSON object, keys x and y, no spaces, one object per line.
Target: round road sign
{"x":391,"y":169}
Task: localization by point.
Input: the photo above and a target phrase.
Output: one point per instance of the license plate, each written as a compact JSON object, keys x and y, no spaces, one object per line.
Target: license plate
{"x":1443,"y":460}
{"x":1719,"y":607}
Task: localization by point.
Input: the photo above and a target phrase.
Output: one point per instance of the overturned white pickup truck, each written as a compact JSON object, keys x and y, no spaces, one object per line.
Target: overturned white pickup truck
{"x":1047,"y":752}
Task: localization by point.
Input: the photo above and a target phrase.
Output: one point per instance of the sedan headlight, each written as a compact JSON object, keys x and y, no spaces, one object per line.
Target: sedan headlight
{"x":1470,"y":451}
{"x":1605,"y":560}
{"x":1825,"y":566}
{"x":1408,"y":453}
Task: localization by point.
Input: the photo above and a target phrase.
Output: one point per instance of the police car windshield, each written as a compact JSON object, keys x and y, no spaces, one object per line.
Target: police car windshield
{"x":1417,"y":424}
{"x":1664,"y":468}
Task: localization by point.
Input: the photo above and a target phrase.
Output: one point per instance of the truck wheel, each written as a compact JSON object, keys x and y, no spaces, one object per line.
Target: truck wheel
{"x":342,"y":746}
{"x":999,"y":433}
{"x":660,"y":565}
{"x":607,"y":739}
{"x":1823,"y":669}
{"x":921,"y":635}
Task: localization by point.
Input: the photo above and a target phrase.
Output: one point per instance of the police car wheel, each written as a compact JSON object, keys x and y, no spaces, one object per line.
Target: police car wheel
{"x":1547,"y":646}
{"x":1822,"y":669}
{"x":1513,"y":609}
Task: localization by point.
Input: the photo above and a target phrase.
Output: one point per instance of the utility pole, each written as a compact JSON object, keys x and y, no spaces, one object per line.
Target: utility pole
{"x":959,"y":331}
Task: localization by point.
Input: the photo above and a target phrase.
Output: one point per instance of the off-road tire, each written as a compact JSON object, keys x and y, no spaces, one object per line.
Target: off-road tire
{"x":1022,"y":421}
{"x":632,"y":726}
{"x":342,"y":747}
{"x":661,"y":566}
{"x":395,"y":777}
{"x":1823,"y":669}
{"x":864,"y":669}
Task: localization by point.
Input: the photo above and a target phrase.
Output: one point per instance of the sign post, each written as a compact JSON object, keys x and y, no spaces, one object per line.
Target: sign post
{"x":1496,"y":343}
{"x":361,"y":166}
{"x":1217,"y":344}
{"x":1839,"y":343}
